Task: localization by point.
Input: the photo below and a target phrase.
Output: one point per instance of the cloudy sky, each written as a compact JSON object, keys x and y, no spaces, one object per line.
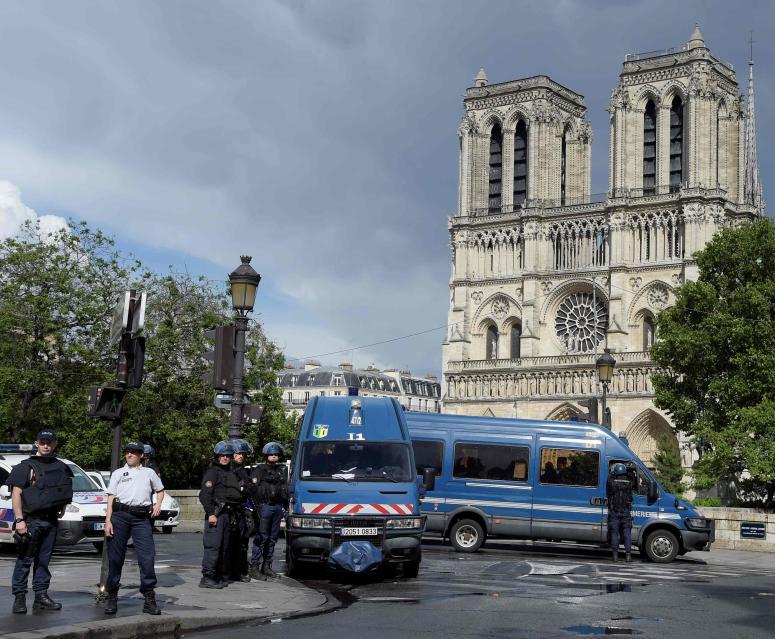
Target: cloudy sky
{"x":319,"y":137}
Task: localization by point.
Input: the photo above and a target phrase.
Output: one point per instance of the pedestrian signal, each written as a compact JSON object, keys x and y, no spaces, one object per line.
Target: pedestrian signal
{"x":105,"y":402}
{"x":222,"y":357}
{"x":591,"y":406}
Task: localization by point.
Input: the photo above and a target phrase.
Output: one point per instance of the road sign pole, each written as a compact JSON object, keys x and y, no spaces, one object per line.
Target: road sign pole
{"x":236,"y":420}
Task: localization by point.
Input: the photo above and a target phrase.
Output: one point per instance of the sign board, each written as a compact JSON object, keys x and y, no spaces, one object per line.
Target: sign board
{"x":120,"y":318}
{"x":138,"y":316}
{"x":223,"y":401}
{"x":753,"y":530}
{"x":352,"y":391}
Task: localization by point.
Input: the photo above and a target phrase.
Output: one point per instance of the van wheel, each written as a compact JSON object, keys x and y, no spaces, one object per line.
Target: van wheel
{"x":98,"y":545}
{"x":412,"y":568}
{"x":167,"y":530}
{"x":662,"y":546}
{"x":294,"y":568}
{"x":466,"y":535}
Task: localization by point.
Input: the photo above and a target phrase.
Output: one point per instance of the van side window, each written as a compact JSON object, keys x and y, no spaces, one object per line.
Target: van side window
{"x":3,"y":476}
{"x":484,"y":461}
{"x":428,"y":454}
{"x":570,"y":467}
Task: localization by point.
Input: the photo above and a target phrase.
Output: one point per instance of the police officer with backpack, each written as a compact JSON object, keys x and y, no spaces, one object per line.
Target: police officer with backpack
{"x":41,"y":488}
{"x":619,"y":493}
{"x":269,"y":484}
{"x":238,"y":565}
{"x":221,"y":496}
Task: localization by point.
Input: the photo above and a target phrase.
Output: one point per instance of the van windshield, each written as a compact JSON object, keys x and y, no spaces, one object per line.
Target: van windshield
{"x":356,"y":461}
{"x":82,"y":483}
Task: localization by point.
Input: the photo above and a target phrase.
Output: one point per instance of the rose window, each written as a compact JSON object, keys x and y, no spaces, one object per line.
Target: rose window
{"x":581,"y":325}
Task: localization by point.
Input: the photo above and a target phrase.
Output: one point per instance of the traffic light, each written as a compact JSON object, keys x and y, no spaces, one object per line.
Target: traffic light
{"x":105,"y":402}
{"x":591,"y":406}
{"x":136,"y":362}
{"x":222,"y":357}
{"x":251,"y":413}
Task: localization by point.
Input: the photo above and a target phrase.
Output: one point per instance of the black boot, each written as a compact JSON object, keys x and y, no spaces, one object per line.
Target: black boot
{"x":266,"y":569}
{"x":209,"y":582}
{"x":44,"y":602}
{"x":255,"y":573}
{"x":615,"y":554}
{"x":150,"y":603}
{"x":245,"y":579}
{"x":20,"y":604}
{"x":111,"y":605}
{"x":628,"y":558}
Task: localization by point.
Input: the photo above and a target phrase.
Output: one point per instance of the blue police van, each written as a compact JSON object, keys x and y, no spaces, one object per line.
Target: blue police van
{"x":355,"y":500}
{"x":526,"y":479}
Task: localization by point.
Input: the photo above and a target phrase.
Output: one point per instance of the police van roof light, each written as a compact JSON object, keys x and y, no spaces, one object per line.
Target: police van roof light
{"x":18,"y":448}
{"x":356,"y":403}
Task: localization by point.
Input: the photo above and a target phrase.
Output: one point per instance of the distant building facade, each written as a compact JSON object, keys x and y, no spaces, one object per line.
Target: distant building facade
{"x":300,"y":385}
{"x":545,"y":274}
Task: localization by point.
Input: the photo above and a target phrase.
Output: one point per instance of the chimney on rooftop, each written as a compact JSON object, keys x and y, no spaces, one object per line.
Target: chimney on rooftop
{"x":346,"y":366}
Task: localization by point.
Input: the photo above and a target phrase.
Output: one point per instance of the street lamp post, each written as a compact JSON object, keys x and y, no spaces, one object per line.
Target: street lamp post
{"x":244,"y":283}
{"x":605,"y":371}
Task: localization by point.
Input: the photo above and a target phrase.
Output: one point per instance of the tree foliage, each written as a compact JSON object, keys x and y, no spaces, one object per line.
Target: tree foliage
{"x":717,"y":345}
{"x":667,"y":465}
{"x":57,"y":296}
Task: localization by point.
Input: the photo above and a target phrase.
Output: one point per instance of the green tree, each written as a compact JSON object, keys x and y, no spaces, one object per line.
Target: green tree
{"x":717,"y":346}
{"x":667,"y":465}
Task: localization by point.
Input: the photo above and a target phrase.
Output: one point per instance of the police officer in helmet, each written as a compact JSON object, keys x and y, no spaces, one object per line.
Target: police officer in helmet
{"x":619,"y":493}
{"x":269,"y":484}
{"x":238,"y":556}
{"x":221,"y":496}
{"x":41,"y":488}
{"x":149,"y":459}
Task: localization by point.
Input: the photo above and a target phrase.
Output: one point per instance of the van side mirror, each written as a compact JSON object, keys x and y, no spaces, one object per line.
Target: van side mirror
{"x":5,"y":492}
{"x":429,"y":478}
{"x":653,"y":494}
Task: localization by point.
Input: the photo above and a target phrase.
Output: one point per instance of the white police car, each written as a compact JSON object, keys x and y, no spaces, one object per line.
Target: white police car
{"x":168,"y":518}
{"x":83,"y":520}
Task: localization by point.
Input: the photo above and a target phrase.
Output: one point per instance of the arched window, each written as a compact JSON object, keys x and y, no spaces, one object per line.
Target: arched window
{"x":564,"y":166}
{"x":516,"y":333}
{"x":676,"y":143}
{"x":520,"y":164}
{"x":496,"y":161}
{"x":649,"y":149}
{"x":649,"y":333}
{"x":492,"y":342}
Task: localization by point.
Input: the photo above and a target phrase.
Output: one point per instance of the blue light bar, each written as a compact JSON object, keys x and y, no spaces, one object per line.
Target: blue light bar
{"x":18,"y":448}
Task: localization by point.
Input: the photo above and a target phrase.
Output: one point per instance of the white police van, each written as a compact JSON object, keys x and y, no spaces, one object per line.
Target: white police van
{"x":83,"y":520}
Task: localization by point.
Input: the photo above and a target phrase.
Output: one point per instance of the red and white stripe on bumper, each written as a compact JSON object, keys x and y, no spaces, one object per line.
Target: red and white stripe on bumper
{"x":357,"y":509}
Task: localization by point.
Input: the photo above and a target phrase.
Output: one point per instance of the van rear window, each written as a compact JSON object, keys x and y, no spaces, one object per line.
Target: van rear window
{"x":428,"y":454}
{"x":570,"y":467}
{"x":485,"y":461}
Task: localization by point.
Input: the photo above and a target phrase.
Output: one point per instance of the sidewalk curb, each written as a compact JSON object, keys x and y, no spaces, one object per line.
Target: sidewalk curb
{"x":142,"y":626}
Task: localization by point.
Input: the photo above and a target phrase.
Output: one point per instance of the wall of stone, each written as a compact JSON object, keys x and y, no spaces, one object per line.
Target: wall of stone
{"x":728,"y":522}
{"x":190,"y":508}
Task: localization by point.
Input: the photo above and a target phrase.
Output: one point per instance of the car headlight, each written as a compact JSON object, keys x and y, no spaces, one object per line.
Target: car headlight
{"x":697,"y":522}
{"x":310,"y":522}
{"x":72,"y":508}
{"x":174,"y":503}
{"x":404,"y":523}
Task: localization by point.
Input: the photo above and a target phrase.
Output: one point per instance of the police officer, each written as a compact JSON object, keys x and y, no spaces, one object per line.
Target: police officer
{"x":149,"y":459}
{"x":238,"y":556}
{"x":221,"y":496}
{"x":269,"y":484}
{"x":130,"y":510}
{"x":41,"y":488}
{"x":619,"y":493}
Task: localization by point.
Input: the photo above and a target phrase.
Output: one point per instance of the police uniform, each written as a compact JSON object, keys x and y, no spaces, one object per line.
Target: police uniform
{"x":221,"y":496}
{"x":238,"y":565}
{"x":132,"y":489}
{"x":46,"y":488}
{"x":619,"y":494}
{"x":269,"y":484}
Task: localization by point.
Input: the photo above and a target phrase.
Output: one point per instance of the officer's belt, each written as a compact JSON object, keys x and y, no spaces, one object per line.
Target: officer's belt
{"x":137,"y":511}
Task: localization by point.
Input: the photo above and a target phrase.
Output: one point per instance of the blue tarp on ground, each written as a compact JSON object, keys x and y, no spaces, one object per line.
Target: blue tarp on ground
{"x":356,"y":556}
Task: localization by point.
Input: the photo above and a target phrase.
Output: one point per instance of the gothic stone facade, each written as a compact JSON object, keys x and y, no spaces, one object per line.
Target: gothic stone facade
{"x":544,"y":274}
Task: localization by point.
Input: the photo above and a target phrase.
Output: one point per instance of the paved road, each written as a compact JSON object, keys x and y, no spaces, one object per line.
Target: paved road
{"x":519,"y":590}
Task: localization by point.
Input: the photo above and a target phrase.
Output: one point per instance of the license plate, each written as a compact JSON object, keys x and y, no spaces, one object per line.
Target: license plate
{"x":351,"y":532}
{"x":100,"y":526}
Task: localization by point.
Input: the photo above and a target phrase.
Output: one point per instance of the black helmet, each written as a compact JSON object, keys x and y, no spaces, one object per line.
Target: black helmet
{"x":619,"y":469}
{"x":273,"y":448}
{"x":148,"y":450}
{"x":242,"y":446}
{"x":223,"y":448}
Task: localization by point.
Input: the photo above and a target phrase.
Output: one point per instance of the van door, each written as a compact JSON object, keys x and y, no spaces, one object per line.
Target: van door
{"x":569,"y":490}
{"x":429,"y":453}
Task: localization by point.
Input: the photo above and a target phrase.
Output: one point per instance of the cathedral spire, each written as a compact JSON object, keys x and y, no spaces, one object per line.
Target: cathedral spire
{"x":481,"y":78}
{"x":752,"y":190}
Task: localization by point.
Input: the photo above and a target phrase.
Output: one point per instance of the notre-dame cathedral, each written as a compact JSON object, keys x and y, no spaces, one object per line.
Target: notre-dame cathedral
{"x":546,"y":274}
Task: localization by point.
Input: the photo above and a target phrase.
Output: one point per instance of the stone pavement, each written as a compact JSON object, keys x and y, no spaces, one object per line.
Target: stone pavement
{"x":186,"y":607}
